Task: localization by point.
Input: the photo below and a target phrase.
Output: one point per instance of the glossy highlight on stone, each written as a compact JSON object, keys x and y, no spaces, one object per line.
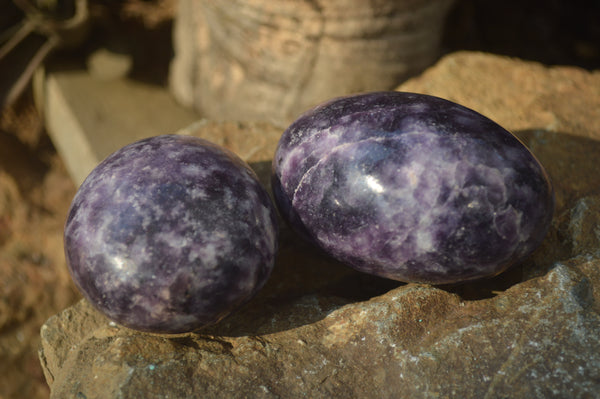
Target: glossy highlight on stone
{"x":170,"y":234}
{"x":411,"y":187}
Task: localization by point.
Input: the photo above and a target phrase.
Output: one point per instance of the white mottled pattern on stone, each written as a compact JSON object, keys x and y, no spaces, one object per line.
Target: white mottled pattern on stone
{"x":170,"y":233}
{"x":411,"y":187}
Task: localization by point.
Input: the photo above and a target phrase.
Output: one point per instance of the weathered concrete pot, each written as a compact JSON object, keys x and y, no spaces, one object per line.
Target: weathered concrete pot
{"x":271,"y":60}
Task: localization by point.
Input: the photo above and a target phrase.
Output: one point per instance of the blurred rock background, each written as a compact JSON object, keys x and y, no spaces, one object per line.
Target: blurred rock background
{"x":36,"y":190}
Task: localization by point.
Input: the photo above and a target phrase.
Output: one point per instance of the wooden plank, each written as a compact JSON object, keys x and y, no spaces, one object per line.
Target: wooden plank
{"x":88,"y":118}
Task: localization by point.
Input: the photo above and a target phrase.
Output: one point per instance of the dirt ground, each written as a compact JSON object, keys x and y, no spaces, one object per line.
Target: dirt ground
{"x":35,"y":189}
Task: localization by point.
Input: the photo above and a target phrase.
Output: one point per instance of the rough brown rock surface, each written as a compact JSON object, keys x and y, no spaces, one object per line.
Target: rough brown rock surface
{"x":35,"y":191}
{"x":319,"y":329}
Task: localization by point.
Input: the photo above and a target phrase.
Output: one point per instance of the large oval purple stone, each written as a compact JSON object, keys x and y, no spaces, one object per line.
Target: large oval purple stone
{"x":169,"y":234}
{"x":411,"y":187}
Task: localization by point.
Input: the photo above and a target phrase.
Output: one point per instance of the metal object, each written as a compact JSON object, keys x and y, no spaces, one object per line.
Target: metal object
{"x":32,"y":31}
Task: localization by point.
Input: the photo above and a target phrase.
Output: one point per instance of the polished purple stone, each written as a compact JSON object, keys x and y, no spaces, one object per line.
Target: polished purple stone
{"x":411,"y":187}
{"x":169,"y":234}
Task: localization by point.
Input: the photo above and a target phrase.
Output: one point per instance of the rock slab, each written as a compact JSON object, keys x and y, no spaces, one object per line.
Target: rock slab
{"x":320,"y":329}
{"x":537,"y":340}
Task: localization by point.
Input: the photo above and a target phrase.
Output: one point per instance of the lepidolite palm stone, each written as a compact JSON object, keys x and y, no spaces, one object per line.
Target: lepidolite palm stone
{"x":411,"y":187}
{"x":169,"y":234}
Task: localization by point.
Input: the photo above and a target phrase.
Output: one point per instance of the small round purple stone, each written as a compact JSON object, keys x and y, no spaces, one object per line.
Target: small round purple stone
{"x":170,"y":234}
{"x":411,"y":187}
